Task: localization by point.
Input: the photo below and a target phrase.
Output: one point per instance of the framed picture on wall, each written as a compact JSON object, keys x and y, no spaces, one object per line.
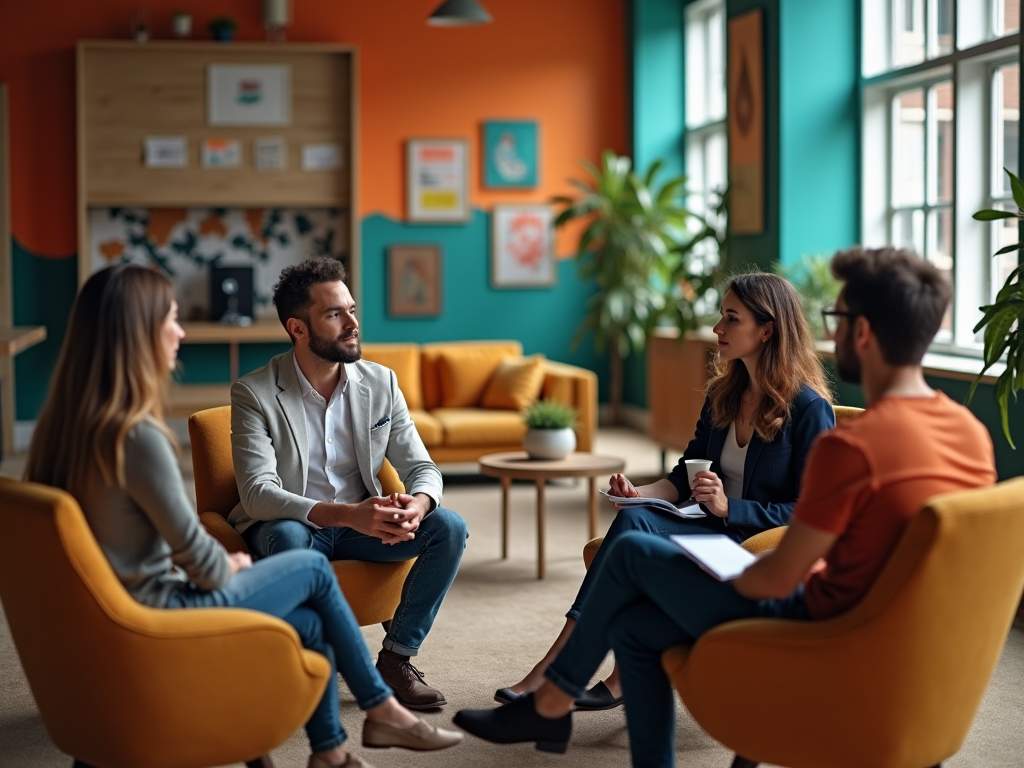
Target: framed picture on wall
{"x":437,"y":180}
{"x":414,"y":280}
{"x":746,"y":124}
{"x":510,"y":152}
{"x":248,"y":94}
{"x":522,"y":249}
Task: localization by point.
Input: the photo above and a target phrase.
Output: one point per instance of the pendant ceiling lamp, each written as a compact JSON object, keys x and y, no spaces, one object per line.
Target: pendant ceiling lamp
{"x":459,"y":13}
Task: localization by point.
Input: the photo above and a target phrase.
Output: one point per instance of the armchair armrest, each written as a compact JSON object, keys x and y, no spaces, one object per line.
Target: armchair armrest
{"x":576,"y":387}
{"x":223,"y":532}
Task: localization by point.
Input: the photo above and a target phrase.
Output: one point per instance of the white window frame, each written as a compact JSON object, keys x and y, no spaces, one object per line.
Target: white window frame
{"x":971,"y":70}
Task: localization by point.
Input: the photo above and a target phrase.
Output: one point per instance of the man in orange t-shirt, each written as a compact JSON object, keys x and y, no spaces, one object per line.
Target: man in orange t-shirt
{"x":864,"y":482}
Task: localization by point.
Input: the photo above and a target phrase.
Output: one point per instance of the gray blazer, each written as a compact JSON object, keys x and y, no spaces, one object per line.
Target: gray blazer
{"x":270,"y":451}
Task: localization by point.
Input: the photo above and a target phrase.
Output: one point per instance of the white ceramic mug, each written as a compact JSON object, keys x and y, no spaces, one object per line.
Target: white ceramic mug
{"x":693,"y":466}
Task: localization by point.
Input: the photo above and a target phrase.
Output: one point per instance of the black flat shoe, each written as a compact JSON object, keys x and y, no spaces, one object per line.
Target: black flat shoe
{"x":597,"y":698}
{"x":517,"y":722}
{"x":506,"y":695}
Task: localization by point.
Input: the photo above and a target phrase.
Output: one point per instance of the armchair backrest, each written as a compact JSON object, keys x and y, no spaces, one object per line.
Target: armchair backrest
{"x":216,"y":490}
{"x":845,"y":412}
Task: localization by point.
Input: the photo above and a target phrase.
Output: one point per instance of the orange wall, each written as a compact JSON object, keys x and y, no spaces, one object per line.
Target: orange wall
{"x":561,"y":62}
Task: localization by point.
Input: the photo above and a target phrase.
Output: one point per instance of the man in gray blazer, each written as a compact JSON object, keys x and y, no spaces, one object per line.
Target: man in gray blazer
{"x":309,"y":433}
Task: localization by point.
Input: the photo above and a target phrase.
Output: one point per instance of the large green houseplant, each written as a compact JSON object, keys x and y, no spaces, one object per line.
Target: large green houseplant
{"x":637,"y":248}
{"x":1002,"y":319}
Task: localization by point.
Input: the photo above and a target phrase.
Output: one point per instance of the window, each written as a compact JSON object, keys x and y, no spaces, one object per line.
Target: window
{"x":941,"y":121}
{"x":706,"y":143}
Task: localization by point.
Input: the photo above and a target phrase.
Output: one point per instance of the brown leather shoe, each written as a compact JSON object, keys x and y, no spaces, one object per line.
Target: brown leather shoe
{"x":407,"y":682}
{"x":420,"y":737}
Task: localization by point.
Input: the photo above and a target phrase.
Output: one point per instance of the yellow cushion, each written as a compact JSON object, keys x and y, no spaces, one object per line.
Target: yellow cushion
{"x":465,"y":373}
{"x":515,"y":384}
{"x":404,"y":360}
{"x":430,"y":430}
{"x":480,"y":426}
{"x":430,"y":363}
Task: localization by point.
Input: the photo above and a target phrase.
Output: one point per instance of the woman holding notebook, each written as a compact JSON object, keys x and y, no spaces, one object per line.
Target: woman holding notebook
{"x":767,"y":400}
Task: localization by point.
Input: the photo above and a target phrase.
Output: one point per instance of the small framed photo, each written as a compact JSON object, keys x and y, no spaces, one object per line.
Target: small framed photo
{"x":510,"y":152}
{"x":437,"y":180}
{"x":270,"y":153}
{"x":414,"y":280}
{"x":522,"y":251}
{"x":248,"y":94}
{"x":222,"y":153}
{"x":166,"y":151}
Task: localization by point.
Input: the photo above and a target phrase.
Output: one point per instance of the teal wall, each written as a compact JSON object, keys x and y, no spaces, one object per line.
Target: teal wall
{"x":819,"y":127}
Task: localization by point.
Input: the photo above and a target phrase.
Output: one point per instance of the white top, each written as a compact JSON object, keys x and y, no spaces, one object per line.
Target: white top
{"x":733,"y":459}
{"x":332,"y":473}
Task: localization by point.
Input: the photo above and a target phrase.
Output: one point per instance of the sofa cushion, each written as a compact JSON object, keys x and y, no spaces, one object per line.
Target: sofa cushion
{"x":480,"y":426}
{"x":430,"y":363}
{"x":516,"y":383}
{"x":429,"y":428}
{"x":404,"y":360}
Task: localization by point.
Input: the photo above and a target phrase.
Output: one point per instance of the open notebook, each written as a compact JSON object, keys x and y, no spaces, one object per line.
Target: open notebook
{"x":686,"y":508}
{"x":719,"y":555}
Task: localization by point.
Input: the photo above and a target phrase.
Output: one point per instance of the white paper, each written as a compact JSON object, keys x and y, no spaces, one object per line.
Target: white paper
{"x":688,"y":508}
{"x":248,"y":94}
{"x":321,"y":157}
{"x":222,"y":153}
{"x":719,"y":555}
{"x":166,"y":151}
{"x":270,"y":153}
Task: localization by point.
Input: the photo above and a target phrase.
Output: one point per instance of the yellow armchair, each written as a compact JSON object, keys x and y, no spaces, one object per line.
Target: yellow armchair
{"x":120,"y":685}
{"x":893,"y":683}
{"x":373,"y":590}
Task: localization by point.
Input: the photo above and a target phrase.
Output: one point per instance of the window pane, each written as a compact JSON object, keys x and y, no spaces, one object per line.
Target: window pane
{"x":696,"y":76}
{"x":717,"y":162}
{"x":695,"y":175}
{"x":940,"y":151}
{"x":908,"y":148}
{"x":1005,"y":127}
{"x":940,"y":14}
{"x":908,"y":32}
{"x":940,"y":253}
{"x":908,"y":230}
{"x":1007,"y":17}
{"x":1004,"y":232}
{"x":716,"y":64}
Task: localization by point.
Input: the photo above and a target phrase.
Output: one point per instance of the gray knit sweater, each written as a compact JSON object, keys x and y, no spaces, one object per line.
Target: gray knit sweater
{"x":149,"y":530}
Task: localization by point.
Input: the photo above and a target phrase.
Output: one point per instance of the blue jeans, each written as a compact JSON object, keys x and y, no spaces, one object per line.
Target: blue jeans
{"x":300,"y":587}
{"x":647,"y":520}
{"x":647,"y":597}
{"x":439,"y":545}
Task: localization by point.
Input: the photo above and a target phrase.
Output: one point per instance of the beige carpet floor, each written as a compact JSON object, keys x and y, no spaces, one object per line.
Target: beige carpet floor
{"x":497,"y":620}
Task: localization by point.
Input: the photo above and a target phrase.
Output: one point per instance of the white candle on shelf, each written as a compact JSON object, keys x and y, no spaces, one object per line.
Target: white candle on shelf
{"x":276,"y":13}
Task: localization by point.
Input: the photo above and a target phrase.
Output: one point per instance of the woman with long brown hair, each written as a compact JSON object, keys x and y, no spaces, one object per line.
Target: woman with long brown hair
{"x":767,"y":400}
{"x":102,"y":437}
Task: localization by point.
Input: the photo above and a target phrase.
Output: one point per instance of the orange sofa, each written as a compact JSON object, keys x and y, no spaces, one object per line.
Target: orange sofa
{"x":450,"y":390}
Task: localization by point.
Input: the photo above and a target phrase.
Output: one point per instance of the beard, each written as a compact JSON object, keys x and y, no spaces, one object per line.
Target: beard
{"x":332,"y":350}
{"x":847,"y":363}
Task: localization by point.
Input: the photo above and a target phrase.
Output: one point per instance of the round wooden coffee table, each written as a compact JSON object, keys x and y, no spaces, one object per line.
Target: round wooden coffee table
{"x":518,"y":466}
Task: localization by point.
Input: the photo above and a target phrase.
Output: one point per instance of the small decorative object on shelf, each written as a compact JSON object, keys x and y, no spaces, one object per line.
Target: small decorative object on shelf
{"x":549,"y":433}
{"x":277,"y":14}
{"x":181,"y":24}
{"x":140,"y":24}
{"x":223,"y":29}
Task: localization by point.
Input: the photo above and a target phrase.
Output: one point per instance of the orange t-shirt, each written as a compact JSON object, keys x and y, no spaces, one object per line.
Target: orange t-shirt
{"x":869,"y":476}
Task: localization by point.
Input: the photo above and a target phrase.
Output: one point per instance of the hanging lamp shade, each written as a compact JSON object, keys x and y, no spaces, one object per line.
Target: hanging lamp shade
{"x":459,"y":13}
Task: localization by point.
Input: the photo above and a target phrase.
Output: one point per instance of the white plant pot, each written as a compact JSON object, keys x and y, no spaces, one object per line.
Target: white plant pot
{"x":549,"y":444}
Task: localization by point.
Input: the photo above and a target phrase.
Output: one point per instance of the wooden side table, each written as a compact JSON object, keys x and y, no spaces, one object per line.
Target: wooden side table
{"x":13,"y":340}
{"x":518,"y":466}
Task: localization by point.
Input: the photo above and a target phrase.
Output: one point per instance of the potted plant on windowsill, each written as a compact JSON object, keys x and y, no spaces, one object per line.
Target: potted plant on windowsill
{"x":223,"y":28}
{"x":549,"y":433}
{"x":1002,"y":320}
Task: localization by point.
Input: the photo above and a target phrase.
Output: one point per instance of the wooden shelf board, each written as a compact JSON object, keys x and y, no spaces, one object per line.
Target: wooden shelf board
{"x":19,"y":338}
{"x":218,"y":333}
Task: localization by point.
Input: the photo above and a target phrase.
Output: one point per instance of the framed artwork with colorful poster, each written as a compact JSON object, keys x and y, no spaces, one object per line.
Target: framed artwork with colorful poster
{"x":511,"y":151}
{"x":436,"y":181}
{"x":414,"y":281}
{"x":522,"y":249}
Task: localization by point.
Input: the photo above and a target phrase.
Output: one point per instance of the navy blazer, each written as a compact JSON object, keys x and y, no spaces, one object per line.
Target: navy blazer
{"x":772,"y":471}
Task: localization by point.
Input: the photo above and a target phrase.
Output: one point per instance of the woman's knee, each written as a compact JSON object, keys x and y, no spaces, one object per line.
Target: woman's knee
{"x":633,"y":519}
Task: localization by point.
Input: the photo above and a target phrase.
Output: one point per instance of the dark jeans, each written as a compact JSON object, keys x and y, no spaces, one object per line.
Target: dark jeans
{"x":300,"y":587}
{"x":646,"y":520}
{"x":647,"y":597}
{"x":439,"y":545}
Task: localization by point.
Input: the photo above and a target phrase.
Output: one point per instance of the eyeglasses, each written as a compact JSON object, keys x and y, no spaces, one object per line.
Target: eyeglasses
{"x":830,"y":319}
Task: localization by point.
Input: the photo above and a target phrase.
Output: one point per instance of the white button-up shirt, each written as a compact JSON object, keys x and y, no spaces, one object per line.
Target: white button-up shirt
{"x":332,"y":474}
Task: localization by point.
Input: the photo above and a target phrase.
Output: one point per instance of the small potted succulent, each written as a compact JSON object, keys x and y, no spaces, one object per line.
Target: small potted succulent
{"x":549,"y":433}
{"x":223,"y":28}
